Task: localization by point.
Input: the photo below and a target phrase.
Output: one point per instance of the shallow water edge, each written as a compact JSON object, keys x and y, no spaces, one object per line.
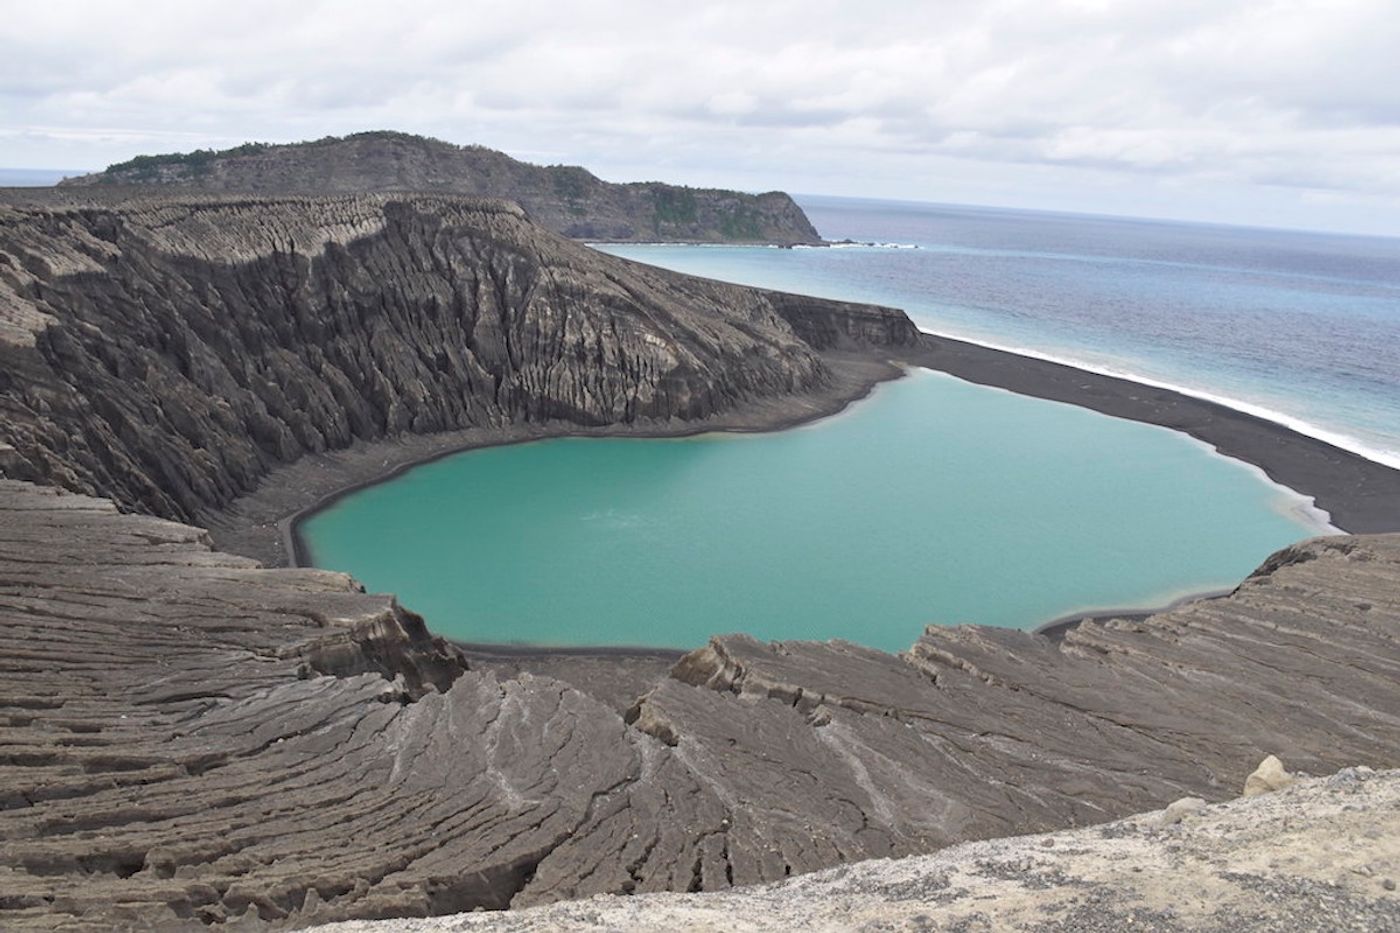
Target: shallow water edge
{"x":933,"y":501}
{"x":333,"y":477}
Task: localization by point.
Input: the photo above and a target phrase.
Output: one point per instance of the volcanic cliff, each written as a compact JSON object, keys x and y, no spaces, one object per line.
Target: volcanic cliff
{"x":565,"y":198}
{"x":188,"y":738}
{"x":167,"y":352}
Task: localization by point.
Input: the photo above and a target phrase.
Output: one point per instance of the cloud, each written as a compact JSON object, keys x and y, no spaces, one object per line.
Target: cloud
{"x":1254,"y":96}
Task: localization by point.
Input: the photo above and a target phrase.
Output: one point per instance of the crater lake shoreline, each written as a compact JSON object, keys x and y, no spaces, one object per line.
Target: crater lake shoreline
{"x":1357,"y":495}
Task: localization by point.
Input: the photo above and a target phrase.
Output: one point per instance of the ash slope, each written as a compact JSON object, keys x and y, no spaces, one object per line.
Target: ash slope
{"x":167,"y":352}
{"x":187,"y":738}
{"x":565,"y":198}
{"x":1322,"y":855}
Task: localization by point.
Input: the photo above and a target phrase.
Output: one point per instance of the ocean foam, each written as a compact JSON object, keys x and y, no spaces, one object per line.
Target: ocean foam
{"x":855,"y":245}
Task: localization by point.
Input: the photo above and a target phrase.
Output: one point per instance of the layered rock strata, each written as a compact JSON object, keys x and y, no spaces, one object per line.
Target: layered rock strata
{"x":1320,"y":857}
{"x":565,"y":198}
{"x":186,"y":738}
{"x":169,"y":352}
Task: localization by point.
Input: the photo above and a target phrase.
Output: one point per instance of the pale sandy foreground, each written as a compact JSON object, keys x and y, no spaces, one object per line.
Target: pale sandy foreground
{"x":1322,"y":854}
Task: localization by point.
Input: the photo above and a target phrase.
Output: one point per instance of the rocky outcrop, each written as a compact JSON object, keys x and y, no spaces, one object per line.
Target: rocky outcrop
{"x":1323,"y":857}
{"x":565,"y":198}
{"x":843,"y":325}
{"x":168,"y":352}
{"x":186,"y":738}
{"x":1267,"y":778}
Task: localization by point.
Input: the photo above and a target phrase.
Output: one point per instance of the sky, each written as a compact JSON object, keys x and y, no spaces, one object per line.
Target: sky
{"x":1259,"y":113}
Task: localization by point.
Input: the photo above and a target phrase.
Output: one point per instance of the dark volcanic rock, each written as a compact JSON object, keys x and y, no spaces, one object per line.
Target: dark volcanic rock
{"x":167,"y":352}
{"x":186,"y":738}
{"x":565,"y":198}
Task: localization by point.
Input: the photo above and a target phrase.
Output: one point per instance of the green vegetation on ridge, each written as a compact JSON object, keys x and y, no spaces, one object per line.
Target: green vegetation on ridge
{"x":568,"y":199}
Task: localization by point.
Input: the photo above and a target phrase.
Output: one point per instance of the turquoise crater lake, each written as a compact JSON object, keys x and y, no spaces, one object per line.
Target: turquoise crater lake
{"x":934,"y":501}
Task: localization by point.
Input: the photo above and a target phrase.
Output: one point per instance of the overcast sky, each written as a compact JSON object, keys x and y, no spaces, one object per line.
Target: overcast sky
{"x":1278,"y":114}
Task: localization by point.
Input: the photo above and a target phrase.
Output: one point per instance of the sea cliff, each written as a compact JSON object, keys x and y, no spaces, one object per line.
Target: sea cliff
{"x":567,"y":199}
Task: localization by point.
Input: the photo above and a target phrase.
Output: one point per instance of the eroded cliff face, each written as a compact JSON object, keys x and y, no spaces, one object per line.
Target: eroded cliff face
{"x":167,"y":352}
{"x":564,"y":198}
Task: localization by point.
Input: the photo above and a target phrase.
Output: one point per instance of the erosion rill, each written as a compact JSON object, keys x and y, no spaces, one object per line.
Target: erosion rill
{"x":187,"y":737}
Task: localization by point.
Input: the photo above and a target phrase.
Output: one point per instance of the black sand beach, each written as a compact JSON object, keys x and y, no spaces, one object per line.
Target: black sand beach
{"x":1362,"y":496}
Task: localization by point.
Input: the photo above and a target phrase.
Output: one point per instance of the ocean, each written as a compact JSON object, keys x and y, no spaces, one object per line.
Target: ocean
{"x":1301,"y":328}
{"x":35,"y":177}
